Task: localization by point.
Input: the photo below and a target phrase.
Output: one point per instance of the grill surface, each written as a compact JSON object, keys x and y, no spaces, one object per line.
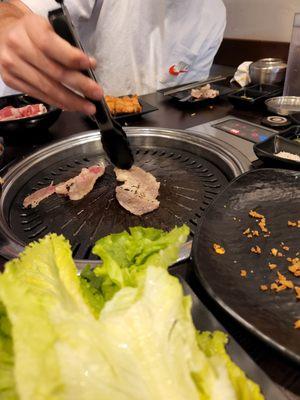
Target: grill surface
{"x":189,"y":183}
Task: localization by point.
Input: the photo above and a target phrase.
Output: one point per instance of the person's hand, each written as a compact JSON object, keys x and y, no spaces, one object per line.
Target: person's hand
{"x":36,"y":61}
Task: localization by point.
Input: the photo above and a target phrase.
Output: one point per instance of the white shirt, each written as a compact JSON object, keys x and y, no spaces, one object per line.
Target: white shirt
{"x":144,"y":45}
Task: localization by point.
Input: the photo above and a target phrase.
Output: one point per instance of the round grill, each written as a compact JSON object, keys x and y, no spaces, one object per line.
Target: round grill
{"x":189,"y":183}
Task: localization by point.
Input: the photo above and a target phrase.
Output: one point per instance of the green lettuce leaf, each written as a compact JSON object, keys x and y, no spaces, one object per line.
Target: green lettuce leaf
{"x":40,"y":290}
{"x":213,"y":344}
{"x":143,"y":344}
{"x":126,"y":255}
{"x":7,"y":380}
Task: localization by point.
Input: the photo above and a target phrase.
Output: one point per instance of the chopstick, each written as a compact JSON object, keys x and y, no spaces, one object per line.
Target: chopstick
{"x":194,"y":85}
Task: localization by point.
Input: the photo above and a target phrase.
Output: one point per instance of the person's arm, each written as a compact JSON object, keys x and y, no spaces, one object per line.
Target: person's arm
{"x":36,"y":61}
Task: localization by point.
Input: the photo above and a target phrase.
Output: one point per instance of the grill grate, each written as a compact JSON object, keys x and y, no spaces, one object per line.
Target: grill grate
{"x":189,"y":184}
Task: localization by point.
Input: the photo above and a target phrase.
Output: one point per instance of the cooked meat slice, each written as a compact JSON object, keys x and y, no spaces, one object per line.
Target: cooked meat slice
{"x":79,"y":186}
{"x":204,"y":92}
{"x":36,"y":197}
{"x":139,"y":192}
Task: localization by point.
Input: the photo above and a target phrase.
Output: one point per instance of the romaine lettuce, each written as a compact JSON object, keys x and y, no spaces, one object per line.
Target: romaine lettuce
{"x":7,"y":381}
{"x":141,"y":346}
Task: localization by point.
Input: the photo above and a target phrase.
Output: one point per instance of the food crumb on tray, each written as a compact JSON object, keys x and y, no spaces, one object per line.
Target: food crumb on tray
{"x":243,"y":273}
{"x":255,"y":214}
{"x":256,"y":250}
{"x":297,"y":290}
{"x":276,"y":253}
{"x":272,"y":266}
{"x":288,"y":156}
{"x":264,"y":288}
{"x":297,"y":324}
{"x":294,"y":224}
{"x":295,"y":267}
{"x":218,"y":249}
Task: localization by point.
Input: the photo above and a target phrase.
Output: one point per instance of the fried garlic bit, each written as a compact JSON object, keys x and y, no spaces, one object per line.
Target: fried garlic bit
{"x":264,"y":288}
{"x":256,"y":250}
{"x":272,"y":266}
{"x":297,"y":290}
{"x":243,"y":273}
{"x":250,"y":233}
{"x":295,"y":267}
{"x":262,"y":220}
{"x":247,"y":232}
{"x":255,"y":214}
{"x":218,"y":249}
{"x":297,"y":324}
{"x":294,"y":223}
{"x":282,"y":283}
{"x":276,"y":253}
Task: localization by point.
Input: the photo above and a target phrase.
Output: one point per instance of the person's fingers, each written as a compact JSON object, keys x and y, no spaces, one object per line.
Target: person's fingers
{"x":71,"y":78}
{"x":41,"y":82}
{"x":52,"y":45}
{"x":24,"y":87}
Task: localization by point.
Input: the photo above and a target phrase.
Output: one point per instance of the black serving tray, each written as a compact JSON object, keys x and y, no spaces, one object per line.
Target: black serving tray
{"x":253,"y":96}
{"x":284,"y":141}
{"x":42,"y":121}
{"x":146,"y":109}
{"x":292,"y":134}
{"x":205,"y":321}
{"x":275,"y":193}
{"x":186,"y":97}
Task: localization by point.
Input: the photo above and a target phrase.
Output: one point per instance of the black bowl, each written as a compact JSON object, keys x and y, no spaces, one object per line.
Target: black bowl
{"x":42,"y":121}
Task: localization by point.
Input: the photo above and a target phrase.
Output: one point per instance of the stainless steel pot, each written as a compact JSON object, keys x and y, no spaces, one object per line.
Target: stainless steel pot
{"x":268,"y":71}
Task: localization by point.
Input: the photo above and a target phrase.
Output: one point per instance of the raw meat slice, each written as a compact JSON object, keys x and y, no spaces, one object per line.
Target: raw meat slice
{"x":36,"y":197}
{"x":32,"y":110}
{"x":79,"y":186}
{"x":139,"y":192}
{"x":10,"y":113}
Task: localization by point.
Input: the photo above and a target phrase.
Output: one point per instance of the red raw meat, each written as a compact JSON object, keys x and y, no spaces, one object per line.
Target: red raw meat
{"x":10,"y":113}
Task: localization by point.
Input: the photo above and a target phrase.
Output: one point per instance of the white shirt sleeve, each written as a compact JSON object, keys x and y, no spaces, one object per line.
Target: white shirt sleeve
{"x":41,"y":7}
{"x":79,"y":9}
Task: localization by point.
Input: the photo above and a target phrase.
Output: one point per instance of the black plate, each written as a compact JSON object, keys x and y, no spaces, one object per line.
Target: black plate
{"x":146,"y":108}
{"x":205,"y":321}
{"x":185,"y":96}
{"x":37,"y":122}
{"x":253,"y":96}
{"x":267,"y":150}
{"x":276,"y":194}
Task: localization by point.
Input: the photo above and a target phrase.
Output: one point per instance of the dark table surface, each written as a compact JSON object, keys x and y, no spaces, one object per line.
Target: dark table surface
{"x":171,"y":115}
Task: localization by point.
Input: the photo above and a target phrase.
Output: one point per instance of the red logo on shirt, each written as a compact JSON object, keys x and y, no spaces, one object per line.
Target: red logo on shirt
{"x":180,"y":68}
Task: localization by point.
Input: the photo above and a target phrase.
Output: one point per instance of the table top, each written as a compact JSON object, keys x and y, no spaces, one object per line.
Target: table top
{"x":172,"y":115}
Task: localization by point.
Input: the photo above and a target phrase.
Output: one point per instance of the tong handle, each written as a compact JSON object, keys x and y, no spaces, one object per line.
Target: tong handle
{"x":63,"y":26}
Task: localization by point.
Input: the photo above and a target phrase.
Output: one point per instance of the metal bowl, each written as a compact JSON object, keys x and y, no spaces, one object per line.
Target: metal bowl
{"x":284,"y":105}
{"x":268,"y":71}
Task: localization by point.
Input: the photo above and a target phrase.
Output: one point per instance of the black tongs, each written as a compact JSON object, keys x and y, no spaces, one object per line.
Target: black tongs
{"x":113,"y":137}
